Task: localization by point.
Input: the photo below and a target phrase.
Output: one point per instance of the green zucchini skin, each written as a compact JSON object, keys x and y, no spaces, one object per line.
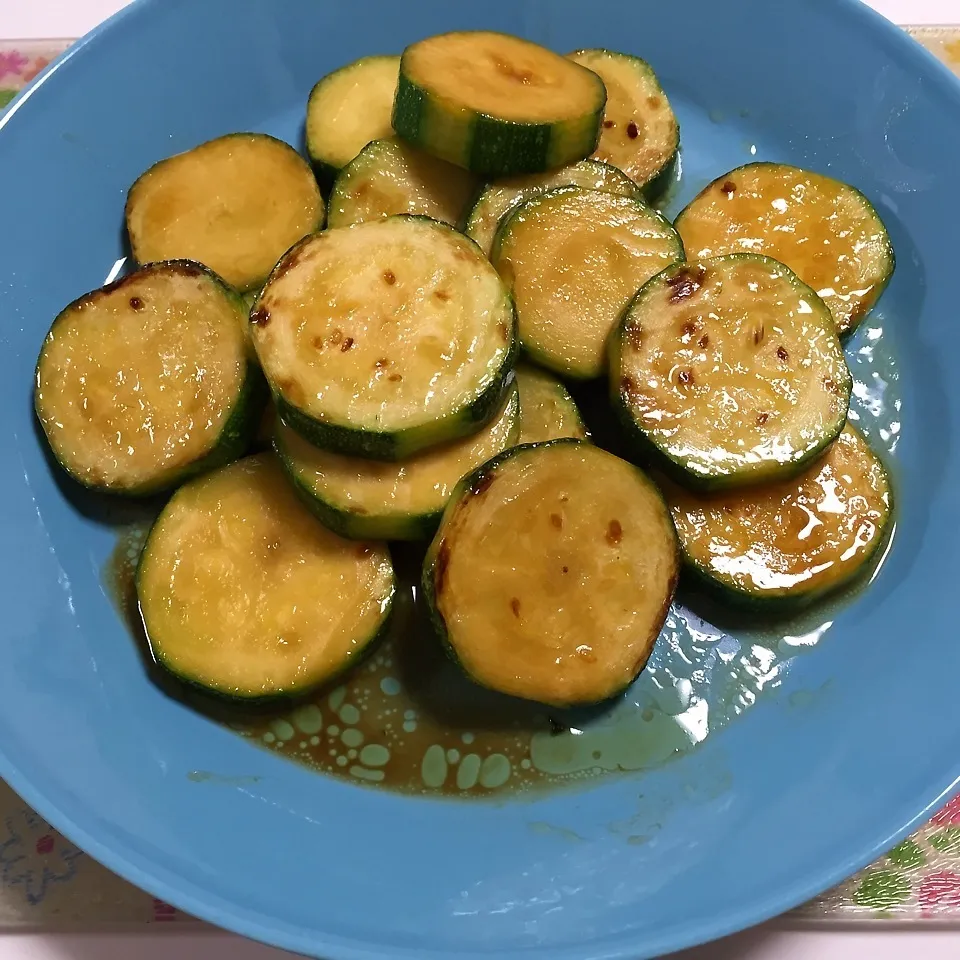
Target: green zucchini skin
{"x":384,"y":526}
{"x":400,"y":444}
{"x":356,"y":527}
{"x":239,"y":428}
{"x":494,"y":150}
{"x":648,"y":453}
{"x":488,"y":145}
{"x":656,"y":191}
{"x":434,"y":560}
{"x":497,"y":149}
{"x":649,"y":456}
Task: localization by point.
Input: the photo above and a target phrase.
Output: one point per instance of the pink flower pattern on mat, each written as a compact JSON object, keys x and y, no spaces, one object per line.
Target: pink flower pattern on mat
{"x":939,"y":893}
{"x":163,"y":912}
{"x":31,"y":71}
{"x":11,"y":62}
{"x":950,"y":813}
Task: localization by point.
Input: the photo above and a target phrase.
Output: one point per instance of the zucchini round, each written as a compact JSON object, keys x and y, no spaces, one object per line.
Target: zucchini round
{"x":148,"y":380}
{"x":234,"y":204}
{"x":496,"y":104}
{"x":385,"y":338}
{"x":247,"y":596}
{"x":573,"y":258}
{"x":794,"y":540}
{"x":497,"y":198}
{"x":827,"y":232}
{"x":547,"y":411}
{"x":731,"y":370}
{"x":364,"y":499}
{"x":552,"y":573}
{"x":347,"y":109}
{"x":640,"y":133}
{"x":389,"y":177}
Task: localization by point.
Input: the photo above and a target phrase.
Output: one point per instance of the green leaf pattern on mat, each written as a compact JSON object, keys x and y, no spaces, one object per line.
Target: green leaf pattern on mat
{"x":907,"y":855}
{"x":946,"y":840}
{"x":882,"y":889}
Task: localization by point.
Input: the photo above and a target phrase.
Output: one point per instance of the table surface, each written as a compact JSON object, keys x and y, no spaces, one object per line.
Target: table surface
{"x":762,"y":943}
{"x":780,"y":939}
{"x":43,"y":19}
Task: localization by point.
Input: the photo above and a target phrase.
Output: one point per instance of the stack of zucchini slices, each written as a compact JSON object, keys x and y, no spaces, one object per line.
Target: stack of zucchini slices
{"x":728,"y":373}
{"x":485,"y":196}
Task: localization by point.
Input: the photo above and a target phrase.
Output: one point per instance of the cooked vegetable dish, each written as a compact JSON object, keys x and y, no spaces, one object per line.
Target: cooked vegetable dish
{"x":409,"y":317}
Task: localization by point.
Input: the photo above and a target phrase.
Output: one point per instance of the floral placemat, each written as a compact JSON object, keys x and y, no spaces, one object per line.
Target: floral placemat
{"x":46,"y":882}
{"x":22,"y":60}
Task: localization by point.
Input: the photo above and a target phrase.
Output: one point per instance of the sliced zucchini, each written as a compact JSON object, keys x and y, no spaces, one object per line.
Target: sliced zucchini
{"x":385,"y":338}
{"x":246,"y":595}
{"x":389,"y":177}
{"x":640,"y":133}
{"x":235,"y":204}
{"x":827,"y":232}
{"x":347,"y":109}
{"x":496,"y":104}
{"x":792,"y":540}
{"x":552,"y":573}
{"x":499,"y":197}
{"x":547,"y":411}
{"x":364,"y":499}
{"x":148,"y":380}
{"x":573,"y":258}
{"x":730,"y":369}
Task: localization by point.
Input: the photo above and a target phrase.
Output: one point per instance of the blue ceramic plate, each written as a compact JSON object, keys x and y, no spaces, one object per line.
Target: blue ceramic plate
{"x":824,"y":748}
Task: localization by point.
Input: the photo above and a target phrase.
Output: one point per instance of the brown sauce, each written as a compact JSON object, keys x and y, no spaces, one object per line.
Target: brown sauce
{"x":406,"y":718}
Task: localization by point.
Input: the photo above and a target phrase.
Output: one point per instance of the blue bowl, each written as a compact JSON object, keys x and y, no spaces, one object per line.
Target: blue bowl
{"x":851,"y":745}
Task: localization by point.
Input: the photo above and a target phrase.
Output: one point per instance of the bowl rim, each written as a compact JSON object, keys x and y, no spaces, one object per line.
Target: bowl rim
{"x":183,"y":893}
